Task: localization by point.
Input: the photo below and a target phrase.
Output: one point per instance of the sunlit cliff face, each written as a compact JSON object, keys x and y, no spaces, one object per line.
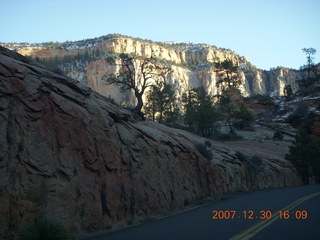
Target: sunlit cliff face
{"x":192,"y":65}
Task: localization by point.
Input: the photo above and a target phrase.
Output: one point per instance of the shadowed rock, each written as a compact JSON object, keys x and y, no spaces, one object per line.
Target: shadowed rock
{"x":68,"y":154}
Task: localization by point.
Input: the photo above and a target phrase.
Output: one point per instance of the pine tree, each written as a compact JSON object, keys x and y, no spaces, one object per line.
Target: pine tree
{"x":287,"y":91}
{"x":160,"y":99}
{"x":244,"y":118}
{"x":230,"y":81}
{"x":227,"y":109}
{"x":229,"y":73}
{"x":304,"y":155}
{"x":189,"y":99}
{"x":206,"y":116}
{"x":310,"y":68}
{"x":200,"y":111}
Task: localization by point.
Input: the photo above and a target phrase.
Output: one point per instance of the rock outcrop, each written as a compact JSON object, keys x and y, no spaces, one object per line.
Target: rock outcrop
{"x":191,"y":65}
{"x":69,"y":154}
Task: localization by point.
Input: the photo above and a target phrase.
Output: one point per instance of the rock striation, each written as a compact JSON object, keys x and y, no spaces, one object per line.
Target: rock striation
{"x":69,"y":154}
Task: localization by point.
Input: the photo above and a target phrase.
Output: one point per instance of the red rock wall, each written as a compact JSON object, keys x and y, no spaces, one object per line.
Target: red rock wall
{"x":68,"y":154}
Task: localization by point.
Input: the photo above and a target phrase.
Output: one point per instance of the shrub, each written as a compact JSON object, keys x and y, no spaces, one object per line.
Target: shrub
{"x":130,"y":221}
{"x":256,"y":162}
{"x":262,"y":99}
{"x":278,"y":135}
{"x":241,"y":156}
{"x":299,"y":118}
{"x":179,"y":126}
{"x":304,"y":155}
{"x":241,"y":125}
{"x":244,"y":116}
{"x":108,"y":227}
{"x":267,"y":116}
{"x":58,"y":70}
{"x":202,"y":148}
{"x":44,"y":229}
{"x":252,"y":163}
{"x":287,"y":91}
{"x":208,"y":143}
{"x":226,"y":137}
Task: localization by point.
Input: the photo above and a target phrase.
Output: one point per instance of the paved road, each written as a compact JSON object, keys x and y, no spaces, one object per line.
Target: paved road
{"x":198,"y":223}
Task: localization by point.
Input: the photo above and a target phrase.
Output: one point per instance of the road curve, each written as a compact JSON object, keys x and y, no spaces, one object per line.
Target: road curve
{"x":250,"y":216}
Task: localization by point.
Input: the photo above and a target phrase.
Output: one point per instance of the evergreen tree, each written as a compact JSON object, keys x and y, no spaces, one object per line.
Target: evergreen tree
{"x":312,"y":74}
{"x":230,"y":81}
{"x":172,"y":113}
{"x":151,"y":107}
{"x":206,"y":116}
{"x":189,"y":99}
{"x":310,"y":64}
{"x":200,"y":111}
{"x":229,"y":73}
{"x":227,"y":109}
{"x":160,"y":100}
{"x":304,"y":155}
{"x":287,"y":91}
{"x":244,"y":117}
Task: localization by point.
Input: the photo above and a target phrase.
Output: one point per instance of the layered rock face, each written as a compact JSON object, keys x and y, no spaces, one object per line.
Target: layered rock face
{"x":68,"y":154}
{"x":191,"y":65}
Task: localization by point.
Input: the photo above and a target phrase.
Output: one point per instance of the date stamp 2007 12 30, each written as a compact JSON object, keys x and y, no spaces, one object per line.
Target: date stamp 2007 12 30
{"x":263,"y":214}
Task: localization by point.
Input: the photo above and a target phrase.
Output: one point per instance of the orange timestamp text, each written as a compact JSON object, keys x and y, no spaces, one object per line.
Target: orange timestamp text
{"x":263,"y":214}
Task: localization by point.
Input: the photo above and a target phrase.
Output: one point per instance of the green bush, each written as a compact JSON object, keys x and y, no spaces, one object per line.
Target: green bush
{"x":278,"y":135}
{"x":58,"y":70}
{"x":130,"y":221}
{"x":208,"y":143}
{"x":44,"y":229}
{"x":300,"y":117}
{"x":252,"y":163}
{"x":226,"y":137}
{"x":256,"y":163}
{"x":241,"y":156}
{"x":262,"y":99}
{"x":244,"y":118}
{"x":304,"y":155}
{"x":202,"y":148}
{"x":287,"y":91}
{"x":178,"y":126}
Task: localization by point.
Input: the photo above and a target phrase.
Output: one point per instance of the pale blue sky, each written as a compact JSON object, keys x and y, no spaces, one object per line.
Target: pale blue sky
{"x":269,"y":33}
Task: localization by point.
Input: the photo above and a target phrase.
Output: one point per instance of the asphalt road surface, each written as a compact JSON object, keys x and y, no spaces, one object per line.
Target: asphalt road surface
{"x":250,"y":216}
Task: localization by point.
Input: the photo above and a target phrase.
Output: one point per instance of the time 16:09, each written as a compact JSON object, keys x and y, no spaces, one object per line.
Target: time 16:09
{"x":232,"y":214}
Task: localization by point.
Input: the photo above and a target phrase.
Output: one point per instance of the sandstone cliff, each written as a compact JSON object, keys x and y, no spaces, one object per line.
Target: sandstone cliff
{"x":69,"y":154}
{"x":191,"y":64}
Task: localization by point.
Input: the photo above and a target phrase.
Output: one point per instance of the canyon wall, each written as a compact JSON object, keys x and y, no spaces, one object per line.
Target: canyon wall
{"x":67,"y":153}
{"x":192,"y":65}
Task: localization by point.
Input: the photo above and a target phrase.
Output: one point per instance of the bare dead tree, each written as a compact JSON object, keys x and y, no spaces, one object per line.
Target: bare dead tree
{"x":137,"y":75}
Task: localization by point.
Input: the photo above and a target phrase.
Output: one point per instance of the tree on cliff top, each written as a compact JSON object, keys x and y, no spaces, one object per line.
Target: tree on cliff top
{"x":310,"y":68}
{"x":137,"y":75}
